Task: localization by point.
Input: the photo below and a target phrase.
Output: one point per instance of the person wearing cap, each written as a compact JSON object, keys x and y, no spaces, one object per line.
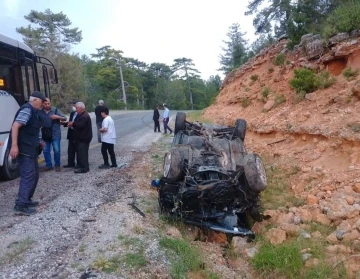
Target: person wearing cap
{"x":166,"y":116}
{"x":156,"y":117}
{"x":24,"y":143}
{"x":99,"y":118}
{"x":50,"y":118}
{"x":71,"y":139}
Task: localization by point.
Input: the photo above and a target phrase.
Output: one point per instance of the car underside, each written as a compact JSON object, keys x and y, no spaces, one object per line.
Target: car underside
{"x":209,"y":178}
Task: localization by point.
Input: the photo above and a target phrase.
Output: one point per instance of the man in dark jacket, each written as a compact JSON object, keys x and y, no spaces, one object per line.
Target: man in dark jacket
{"x":24,"y":143}
{"x":99,"y":118}
{"x":70,"y":137}
{"x":156,"y":117}
{"x":82,"y":136}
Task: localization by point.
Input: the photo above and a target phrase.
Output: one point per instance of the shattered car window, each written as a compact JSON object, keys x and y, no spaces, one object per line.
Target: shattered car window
{"x":209,"y":178}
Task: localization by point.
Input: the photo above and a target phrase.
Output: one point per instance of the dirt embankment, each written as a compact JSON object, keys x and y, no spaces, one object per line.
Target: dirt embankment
{"x":318,"y":137}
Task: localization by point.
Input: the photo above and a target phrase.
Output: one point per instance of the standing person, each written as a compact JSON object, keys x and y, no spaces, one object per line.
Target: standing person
{"x":24,"y":141}
{"x":166,"y":116}
{"x":108,"y":139}
{"x":82,"y":136}
{"x":156,"y":117}
{"x":70,"y":137}
{"x":99,"y":118}
{"x":50,"y":118}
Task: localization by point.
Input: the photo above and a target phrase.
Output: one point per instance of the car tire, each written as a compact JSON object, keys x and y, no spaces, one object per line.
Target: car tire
{"x":180,"y":122}
{"x":10,"y":169}
{"x":255,"y":173}
{"x":173,"y":163}
{"x":240,"y":129}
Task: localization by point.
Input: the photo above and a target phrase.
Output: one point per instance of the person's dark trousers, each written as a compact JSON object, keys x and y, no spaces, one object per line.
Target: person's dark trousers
{"x":156,"y":125}
{"x":72,"y":153}
{"x":166,"y":127}
{"x":99,"y":125}
{"x":83,"y":155}
{"x":29,"y":173}
{"x":105,"y":148}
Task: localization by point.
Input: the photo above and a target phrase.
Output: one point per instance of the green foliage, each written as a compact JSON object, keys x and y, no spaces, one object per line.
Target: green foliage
{"x":280,"y":59}
{"x":283,"y":259}
{"x":106,"y":265}
{"x":344,"y":18}
{"x":17,"y":250}
{"x":279,"y":99}
{"x":265,"y":92}
{"x":325,"y":80}
{"x":304,"y":80}
{"x":184,"y":258}
{"x":135,"y":259}
{"x":270,"y":70}
{"x":245,"y":102}
{"x":349,"y":73}
{"x":254,"y":77}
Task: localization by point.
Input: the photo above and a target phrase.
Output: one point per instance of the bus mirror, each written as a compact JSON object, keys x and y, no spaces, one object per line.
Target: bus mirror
{"x":53,"y":76}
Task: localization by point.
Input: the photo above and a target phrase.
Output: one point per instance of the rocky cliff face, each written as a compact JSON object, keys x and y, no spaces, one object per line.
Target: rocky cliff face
{"x":320,"y":135}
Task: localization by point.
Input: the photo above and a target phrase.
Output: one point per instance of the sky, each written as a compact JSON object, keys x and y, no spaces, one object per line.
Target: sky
{"x":149,"y":30}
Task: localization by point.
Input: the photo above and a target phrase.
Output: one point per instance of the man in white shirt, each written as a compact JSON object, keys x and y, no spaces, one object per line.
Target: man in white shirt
{"x":108,"y":139}
{"x":166,"y":116}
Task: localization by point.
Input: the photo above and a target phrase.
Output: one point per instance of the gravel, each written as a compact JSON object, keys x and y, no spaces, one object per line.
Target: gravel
{"x":79,"y":215}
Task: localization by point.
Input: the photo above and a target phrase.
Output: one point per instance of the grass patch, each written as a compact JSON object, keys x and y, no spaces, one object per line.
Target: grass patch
{"x":107,"y":265}
{"x":325,"y":80}
{"x":183,"y":257}
{"x":270,"y":70}
{"x":17,"y":249}
{"x":135,"y":259}
{"x":245,"y":102}
{"x":349,"y":73}
{"x":283,"y":259}
{"x":138,"y":229}
{"x":280,"y":60}
{"x":279,"y":193}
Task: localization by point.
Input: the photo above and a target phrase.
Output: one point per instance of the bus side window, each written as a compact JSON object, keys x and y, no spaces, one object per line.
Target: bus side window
{"x":28,"y":80}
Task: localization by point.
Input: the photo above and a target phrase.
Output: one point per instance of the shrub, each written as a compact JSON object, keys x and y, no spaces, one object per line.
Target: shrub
{"x":245,"y":102}
{"x":254,"y":77}
{"x":325,"y":80}
{"x":304,"y":80}
{"x":345,"y":18}
{"x":265,"y":92}
{"x":270,"y":70}
{"x":280,"y":60}
{"x":279,"y":99}
{"x":349,"y":73}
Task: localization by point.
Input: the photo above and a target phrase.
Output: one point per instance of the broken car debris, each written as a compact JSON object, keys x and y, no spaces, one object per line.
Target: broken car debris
{"x":209,"y":178}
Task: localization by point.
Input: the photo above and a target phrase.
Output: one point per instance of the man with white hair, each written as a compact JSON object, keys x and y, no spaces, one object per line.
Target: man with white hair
{"x":82,"y":136}
{"x":24,"y":144}
{"x":99,"y":118}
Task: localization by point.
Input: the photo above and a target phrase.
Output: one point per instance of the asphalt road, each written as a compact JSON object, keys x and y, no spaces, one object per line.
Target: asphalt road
{"x":126,"y":122}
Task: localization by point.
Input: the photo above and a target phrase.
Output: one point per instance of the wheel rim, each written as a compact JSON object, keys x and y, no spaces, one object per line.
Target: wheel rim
{"x":167,"y":164}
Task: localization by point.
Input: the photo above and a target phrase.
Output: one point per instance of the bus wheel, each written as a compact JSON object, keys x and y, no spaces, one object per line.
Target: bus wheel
{"x":10,"y":168}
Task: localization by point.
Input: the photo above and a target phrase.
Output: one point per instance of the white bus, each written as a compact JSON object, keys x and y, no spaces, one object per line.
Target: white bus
{"x":21,"y":73}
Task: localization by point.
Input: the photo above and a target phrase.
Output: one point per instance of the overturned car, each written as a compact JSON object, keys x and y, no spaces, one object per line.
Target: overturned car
{"x":209,"y":179}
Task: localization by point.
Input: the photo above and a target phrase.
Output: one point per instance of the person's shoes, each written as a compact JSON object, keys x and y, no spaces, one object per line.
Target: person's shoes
{"x":113,"y":166}
{"x":77,"y":167}
{"x":104,"y":166}
{"x":45,"y":169}
{"x":68,"y":166}
{"x":164,"y":133}
{"x":33,"y":204}
{"x":57,"y":169}
{"x":80,"y":171}
{"x":25,"y":210}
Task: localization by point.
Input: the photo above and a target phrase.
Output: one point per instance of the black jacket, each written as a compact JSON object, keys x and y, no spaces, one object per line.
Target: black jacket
{"x":83,"y":128}
{"x":156,"y":115}
{"x":28,"y":137}
{"x":98,"y":114}
{"x":70,"y":132}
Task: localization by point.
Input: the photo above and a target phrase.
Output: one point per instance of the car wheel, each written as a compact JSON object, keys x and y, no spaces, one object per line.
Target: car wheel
{"x":173,"y":162}
{"x":180,"y":122}
{"x":10,"y":168}
{"x":255,"y":173}
{"x":240,"y":129}
{"x":176,"y":140}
